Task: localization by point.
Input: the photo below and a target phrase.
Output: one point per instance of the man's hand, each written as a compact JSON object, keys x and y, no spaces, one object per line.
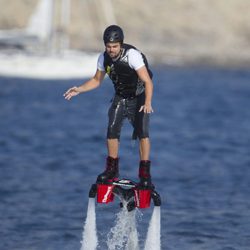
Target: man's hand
{"x":71,"y":92}
{"x":146,"y":108}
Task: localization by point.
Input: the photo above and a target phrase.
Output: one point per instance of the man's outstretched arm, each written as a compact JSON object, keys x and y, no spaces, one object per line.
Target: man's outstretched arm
{"x":92,"y":83}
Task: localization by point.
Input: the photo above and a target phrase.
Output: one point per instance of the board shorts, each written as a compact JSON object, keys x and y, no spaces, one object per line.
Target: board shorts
{"x":122,"y":108}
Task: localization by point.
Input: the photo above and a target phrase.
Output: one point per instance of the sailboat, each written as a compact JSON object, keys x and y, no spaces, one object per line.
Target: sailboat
{"x":38,"y":57}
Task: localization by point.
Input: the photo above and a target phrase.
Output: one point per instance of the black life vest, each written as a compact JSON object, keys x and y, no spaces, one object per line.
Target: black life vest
{"x":125,"y":79}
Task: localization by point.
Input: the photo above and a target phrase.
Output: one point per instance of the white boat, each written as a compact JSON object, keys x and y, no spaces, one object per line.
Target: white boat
{"x":67,"y":66}
{"x":38,"y":58}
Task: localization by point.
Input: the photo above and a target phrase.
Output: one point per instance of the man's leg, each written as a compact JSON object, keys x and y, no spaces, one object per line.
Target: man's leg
{"x":144,"y":149}
{"x":113,"y":147}
{"x":113,"y":134}
{"x":141,"y":131}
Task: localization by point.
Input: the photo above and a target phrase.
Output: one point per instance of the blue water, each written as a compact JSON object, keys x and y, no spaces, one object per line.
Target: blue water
{"x":51,"y":151}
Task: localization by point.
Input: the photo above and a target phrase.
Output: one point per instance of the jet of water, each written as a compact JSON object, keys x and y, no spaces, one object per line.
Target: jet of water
{"x":153,"y":239}
{"x":90,"y":240}
{"x":124,"y":234}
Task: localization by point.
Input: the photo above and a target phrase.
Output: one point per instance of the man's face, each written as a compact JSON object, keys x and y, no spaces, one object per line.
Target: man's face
{"x":113,"y":49}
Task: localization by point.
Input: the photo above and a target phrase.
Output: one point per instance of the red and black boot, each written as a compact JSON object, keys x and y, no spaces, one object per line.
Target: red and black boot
{"x":144,"y":175}
{"x":112,"y":171}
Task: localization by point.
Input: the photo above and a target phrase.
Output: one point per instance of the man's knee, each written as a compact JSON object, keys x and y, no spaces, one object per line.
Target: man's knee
{"x":143,"y":136}
{"x":113,"y":133}
{"x":142,"y":133}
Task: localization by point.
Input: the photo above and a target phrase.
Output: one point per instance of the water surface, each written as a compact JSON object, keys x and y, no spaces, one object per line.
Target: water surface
{"x":51,"y":151}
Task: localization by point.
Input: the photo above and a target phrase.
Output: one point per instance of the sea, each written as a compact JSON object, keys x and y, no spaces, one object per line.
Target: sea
{"x":51,"y":151}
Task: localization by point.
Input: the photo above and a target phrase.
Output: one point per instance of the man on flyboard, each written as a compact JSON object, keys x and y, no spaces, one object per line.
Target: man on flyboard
{"x":128,"y":69}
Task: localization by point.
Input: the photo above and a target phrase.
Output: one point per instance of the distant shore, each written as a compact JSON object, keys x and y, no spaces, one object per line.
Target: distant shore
{"x":190,"y":32}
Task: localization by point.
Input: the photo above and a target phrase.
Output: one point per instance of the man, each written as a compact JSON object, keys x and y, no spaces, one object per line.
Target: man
{"x":128,"y":69}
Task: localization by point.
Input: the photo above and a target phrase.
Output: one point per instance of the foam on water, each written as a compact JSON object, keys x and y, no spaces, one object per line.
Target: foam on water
{"x":124,"y":235}
{"x":153,"y":239}
{"x":90,"y":240}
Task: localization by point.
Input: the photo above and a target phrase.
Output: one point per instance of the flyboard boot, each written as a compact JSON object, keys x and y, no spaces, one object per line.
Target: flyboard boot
{"x":144,"y":187}
{"x":144,"y":175}
{"x":104,"y":181}
{"x":112,"y":171}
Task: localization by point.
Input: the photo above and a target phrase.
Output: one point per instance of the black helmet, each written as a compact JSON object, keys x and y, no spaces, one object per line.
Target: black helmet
{"x":113,"y":34}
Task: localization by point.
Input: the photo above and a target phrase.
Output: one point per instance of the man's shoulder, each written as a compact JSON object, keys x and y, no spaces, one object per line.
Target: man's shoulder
{"x":100,"y":62}
{"x":131,"y":50}
{"x":100,"y":57}
{"x":128,"y":46}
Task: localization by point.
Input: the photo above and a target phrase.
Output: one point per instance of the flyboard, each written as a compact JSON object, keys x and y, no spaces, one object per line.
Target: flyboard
{"x":132,"y":197}
{"x":126,"y":190}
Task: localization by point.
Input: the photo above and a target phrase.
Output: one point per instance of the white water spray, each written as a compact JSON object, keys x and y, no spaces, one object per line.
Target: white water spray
{"x":153,"y":239}
{"x":89,"y":236}
{"x":124,"y":234}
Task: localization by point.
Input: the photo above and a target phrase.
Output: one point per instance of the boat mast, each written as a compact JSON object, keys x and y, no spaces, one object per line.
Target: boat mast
{"x":65,"y":21}
{"x":108,"y":12}
{"x":41,"y":23}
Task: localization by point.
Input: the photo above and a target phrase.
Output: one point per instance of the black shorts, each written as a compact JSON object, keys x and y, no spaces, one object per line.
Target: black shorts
{"x":122,"y":108}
